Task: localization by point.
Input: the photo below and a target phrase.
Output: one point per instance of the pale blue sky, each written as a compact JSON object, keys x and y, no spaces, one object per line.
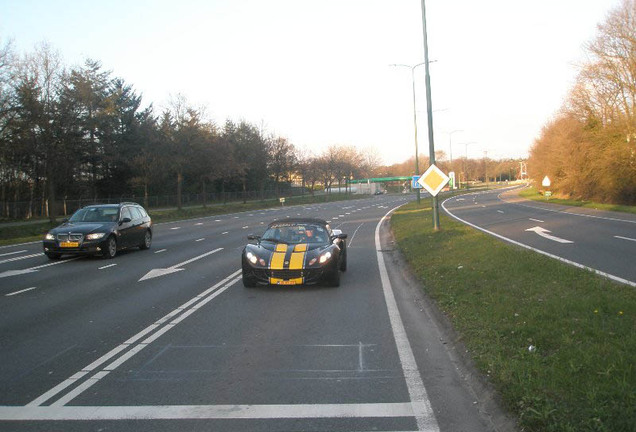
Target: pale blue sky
{"x":318,"y":72}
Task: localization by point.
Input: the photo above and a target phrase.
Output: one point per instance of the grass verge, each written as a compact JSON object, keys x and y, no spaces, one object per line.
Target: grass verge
{"x":558,"y":343}
{"x":534,"y":195}
{"x":27,"y":232}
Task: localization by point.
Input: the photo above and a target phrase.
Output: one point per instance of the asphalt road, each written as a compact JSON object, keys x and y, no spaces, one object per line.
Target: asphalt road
{"x":169,"y":339}
{"x":602,"y":241}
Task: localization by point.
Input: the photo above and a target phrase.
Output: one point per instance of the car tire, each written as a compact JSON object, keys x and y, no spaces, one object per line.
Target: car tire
{"x":147,"y":241}
{"x":53,"y":255}
{"x":248,"y":282}
{"x":343,"y":264}
{"x":334,"y":279}
{"x":111,"y":248}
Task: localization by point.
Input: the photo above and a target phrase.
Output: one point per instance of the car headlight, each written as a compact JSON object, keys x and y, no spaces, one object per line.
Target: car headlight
{"x":49,"y":236}
{"x":254,"y":259}
{"x":95,"y":236}
{"x":321,"y":259}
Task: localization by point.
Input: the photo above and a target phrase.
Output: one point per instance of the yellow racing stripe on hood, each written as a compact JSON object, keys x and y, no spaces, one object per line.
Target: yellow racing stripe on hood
{"x":278,"y":257}
{"x":298,"y":257}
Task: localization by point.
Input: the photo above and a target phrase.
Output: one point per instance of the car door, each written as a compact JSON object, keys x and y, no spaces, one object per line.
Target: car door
{"x":138,"y":226}
{"x":126,"y":228}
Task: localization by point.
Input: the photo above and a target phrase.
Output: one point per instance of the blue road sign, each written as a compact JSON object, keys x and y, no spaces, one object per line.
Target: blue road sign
{"x":414,"y":183}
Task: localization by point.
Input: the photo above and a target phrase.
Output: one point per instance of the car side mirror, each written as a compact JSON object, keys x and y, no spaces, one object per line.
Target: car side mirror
{"x":254,"y":237}
{"x":125,"y":220}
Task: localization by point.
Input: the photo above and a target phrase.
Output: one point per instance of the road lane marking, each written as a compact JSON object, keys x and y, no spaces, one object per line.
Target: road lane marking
{"x":354,"y":235}
{"x":536,"y":220}
{"x":9,"y":273}
{"x":198,"y":224}
{"x":175,"y":228}
{"x":500,"y":211}
{"x":161,"y":250}
{"x":210,"y":412}
{"x":199,"y":240}
{"x":19,"y":292}
{"x":21,"y":257}
{"x":625,"y":238}
{"x":538,"y":207}
{"x":423,"y":412}
{"x":12,"y":253}
{"x":159,"y":327}
{"x":225,"y":232}
{"x":544,"y":233}
{"x":175,"y":268}
{"x":106,"y":266}
{"x":556,"y":257}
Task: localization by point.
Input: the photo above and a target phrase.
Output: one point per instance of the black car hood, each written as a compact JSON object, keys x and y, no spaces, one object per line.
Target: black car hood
{"x":83,"y":227}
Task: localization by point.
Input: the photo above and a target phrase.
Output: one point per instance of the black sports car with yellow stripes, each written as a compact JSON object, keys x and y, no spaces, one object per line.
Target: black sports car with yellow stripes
{"x":294,"y":252}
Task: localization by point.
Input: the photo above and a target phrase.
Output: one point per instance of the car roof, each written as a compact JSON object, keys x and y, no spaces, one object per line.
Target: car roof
{"x":299,"y":221}
{"x":113,"y":205}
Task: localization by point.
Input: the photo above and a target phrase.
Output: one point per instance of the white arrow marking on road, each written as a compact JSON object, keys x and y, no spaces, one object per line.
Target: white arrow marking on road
{"x":625,"y":238}
{"x":34,"y":269}
{"x":16,"y":272}
{"x":175,"y":268}
{"x":544,"y":233}
{"x":21,"y":257}
{"x":12,"y":253}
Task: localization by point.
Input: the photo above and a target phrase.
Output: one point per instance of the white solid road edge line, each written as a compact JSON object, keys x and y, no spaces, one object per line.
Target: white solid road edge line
{"x":228,"y":281}
{"x":419,"y":399}
{"x":210,"y":412}
{"x":564,"y":260}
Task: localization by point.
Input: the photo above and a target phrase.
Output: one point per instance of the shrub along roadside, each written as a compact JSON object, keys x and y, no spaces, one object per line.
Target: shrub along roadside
{"x":557,"y":342}
{"x":12,"y":234}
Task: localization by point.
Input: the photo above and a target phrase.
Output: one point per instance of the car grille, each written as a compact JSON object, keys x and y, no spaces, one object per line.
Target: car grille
{"x":286,"y":274}
{"x":72,"y":237}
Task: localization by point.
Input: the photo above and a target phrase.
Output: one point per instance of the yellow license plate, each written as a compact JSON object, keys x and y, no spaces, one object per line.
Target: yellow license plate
{"x":286,"y":282}
{"x":69,"y":244}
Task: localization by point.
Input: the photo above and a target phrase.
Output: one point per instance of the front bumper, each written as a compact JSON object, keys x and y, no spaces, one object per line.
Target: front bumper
{"x":85,"y":247}
{"x":307,"y":276}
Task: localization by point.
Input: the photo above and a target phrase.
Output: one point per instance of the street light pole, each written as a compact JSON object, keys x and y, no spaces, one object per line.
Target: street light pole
{"x":429,"y":111}
{"x":450,"y":144}
{"x":417,"y":166}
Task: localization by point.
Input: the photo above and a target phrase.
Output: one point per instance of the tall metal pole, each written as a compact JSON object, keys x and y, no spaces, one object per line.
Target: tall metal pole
{"x":429,"y":111}
{"x":417,"y":165}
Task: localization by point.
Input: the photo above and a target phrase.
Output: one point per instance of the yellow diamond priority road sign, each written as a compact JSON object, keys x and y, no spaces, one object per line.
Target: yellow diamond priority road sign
{"x":433,"y":180}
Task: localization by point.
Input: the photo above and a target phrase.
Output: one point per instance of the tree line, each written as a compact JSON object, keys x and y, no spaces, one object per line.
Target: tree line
{"x":588,"y":150}
{"x":81,"y":132}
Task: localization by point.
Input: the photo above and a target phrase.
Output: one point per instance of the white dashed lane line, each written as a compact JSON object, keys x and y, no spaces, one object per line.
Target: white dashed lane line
{"x":199,"y":240}
{"x":106,"y":266}
{"x":19,"y":292}
{"x":161,"y":250}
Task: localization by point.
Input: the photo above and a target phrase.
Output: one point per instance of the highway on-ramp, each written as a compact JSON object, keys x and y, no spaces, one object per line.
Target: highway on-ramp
{"x":601,"y":241}
{"x":169,"y":339}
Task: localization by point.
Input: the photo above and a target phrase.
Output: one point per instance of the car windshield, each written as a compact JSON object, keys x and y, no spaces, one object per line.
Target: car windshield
{"x":295,"y":233}
{"x":95,"y":214}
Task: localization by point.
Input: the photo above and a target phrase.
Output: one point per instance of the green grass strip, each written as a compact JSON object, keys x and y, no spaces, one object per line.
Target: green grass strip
{"x":559,"y":343}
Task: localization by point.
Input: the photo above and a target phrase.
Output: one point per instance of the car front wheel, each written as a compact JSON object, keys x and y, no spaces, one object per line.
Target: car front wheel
{"x":53,"y":255}
{"x":111,"y":248}
{"x":248,"y":282}
{"x":334,"y":278}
